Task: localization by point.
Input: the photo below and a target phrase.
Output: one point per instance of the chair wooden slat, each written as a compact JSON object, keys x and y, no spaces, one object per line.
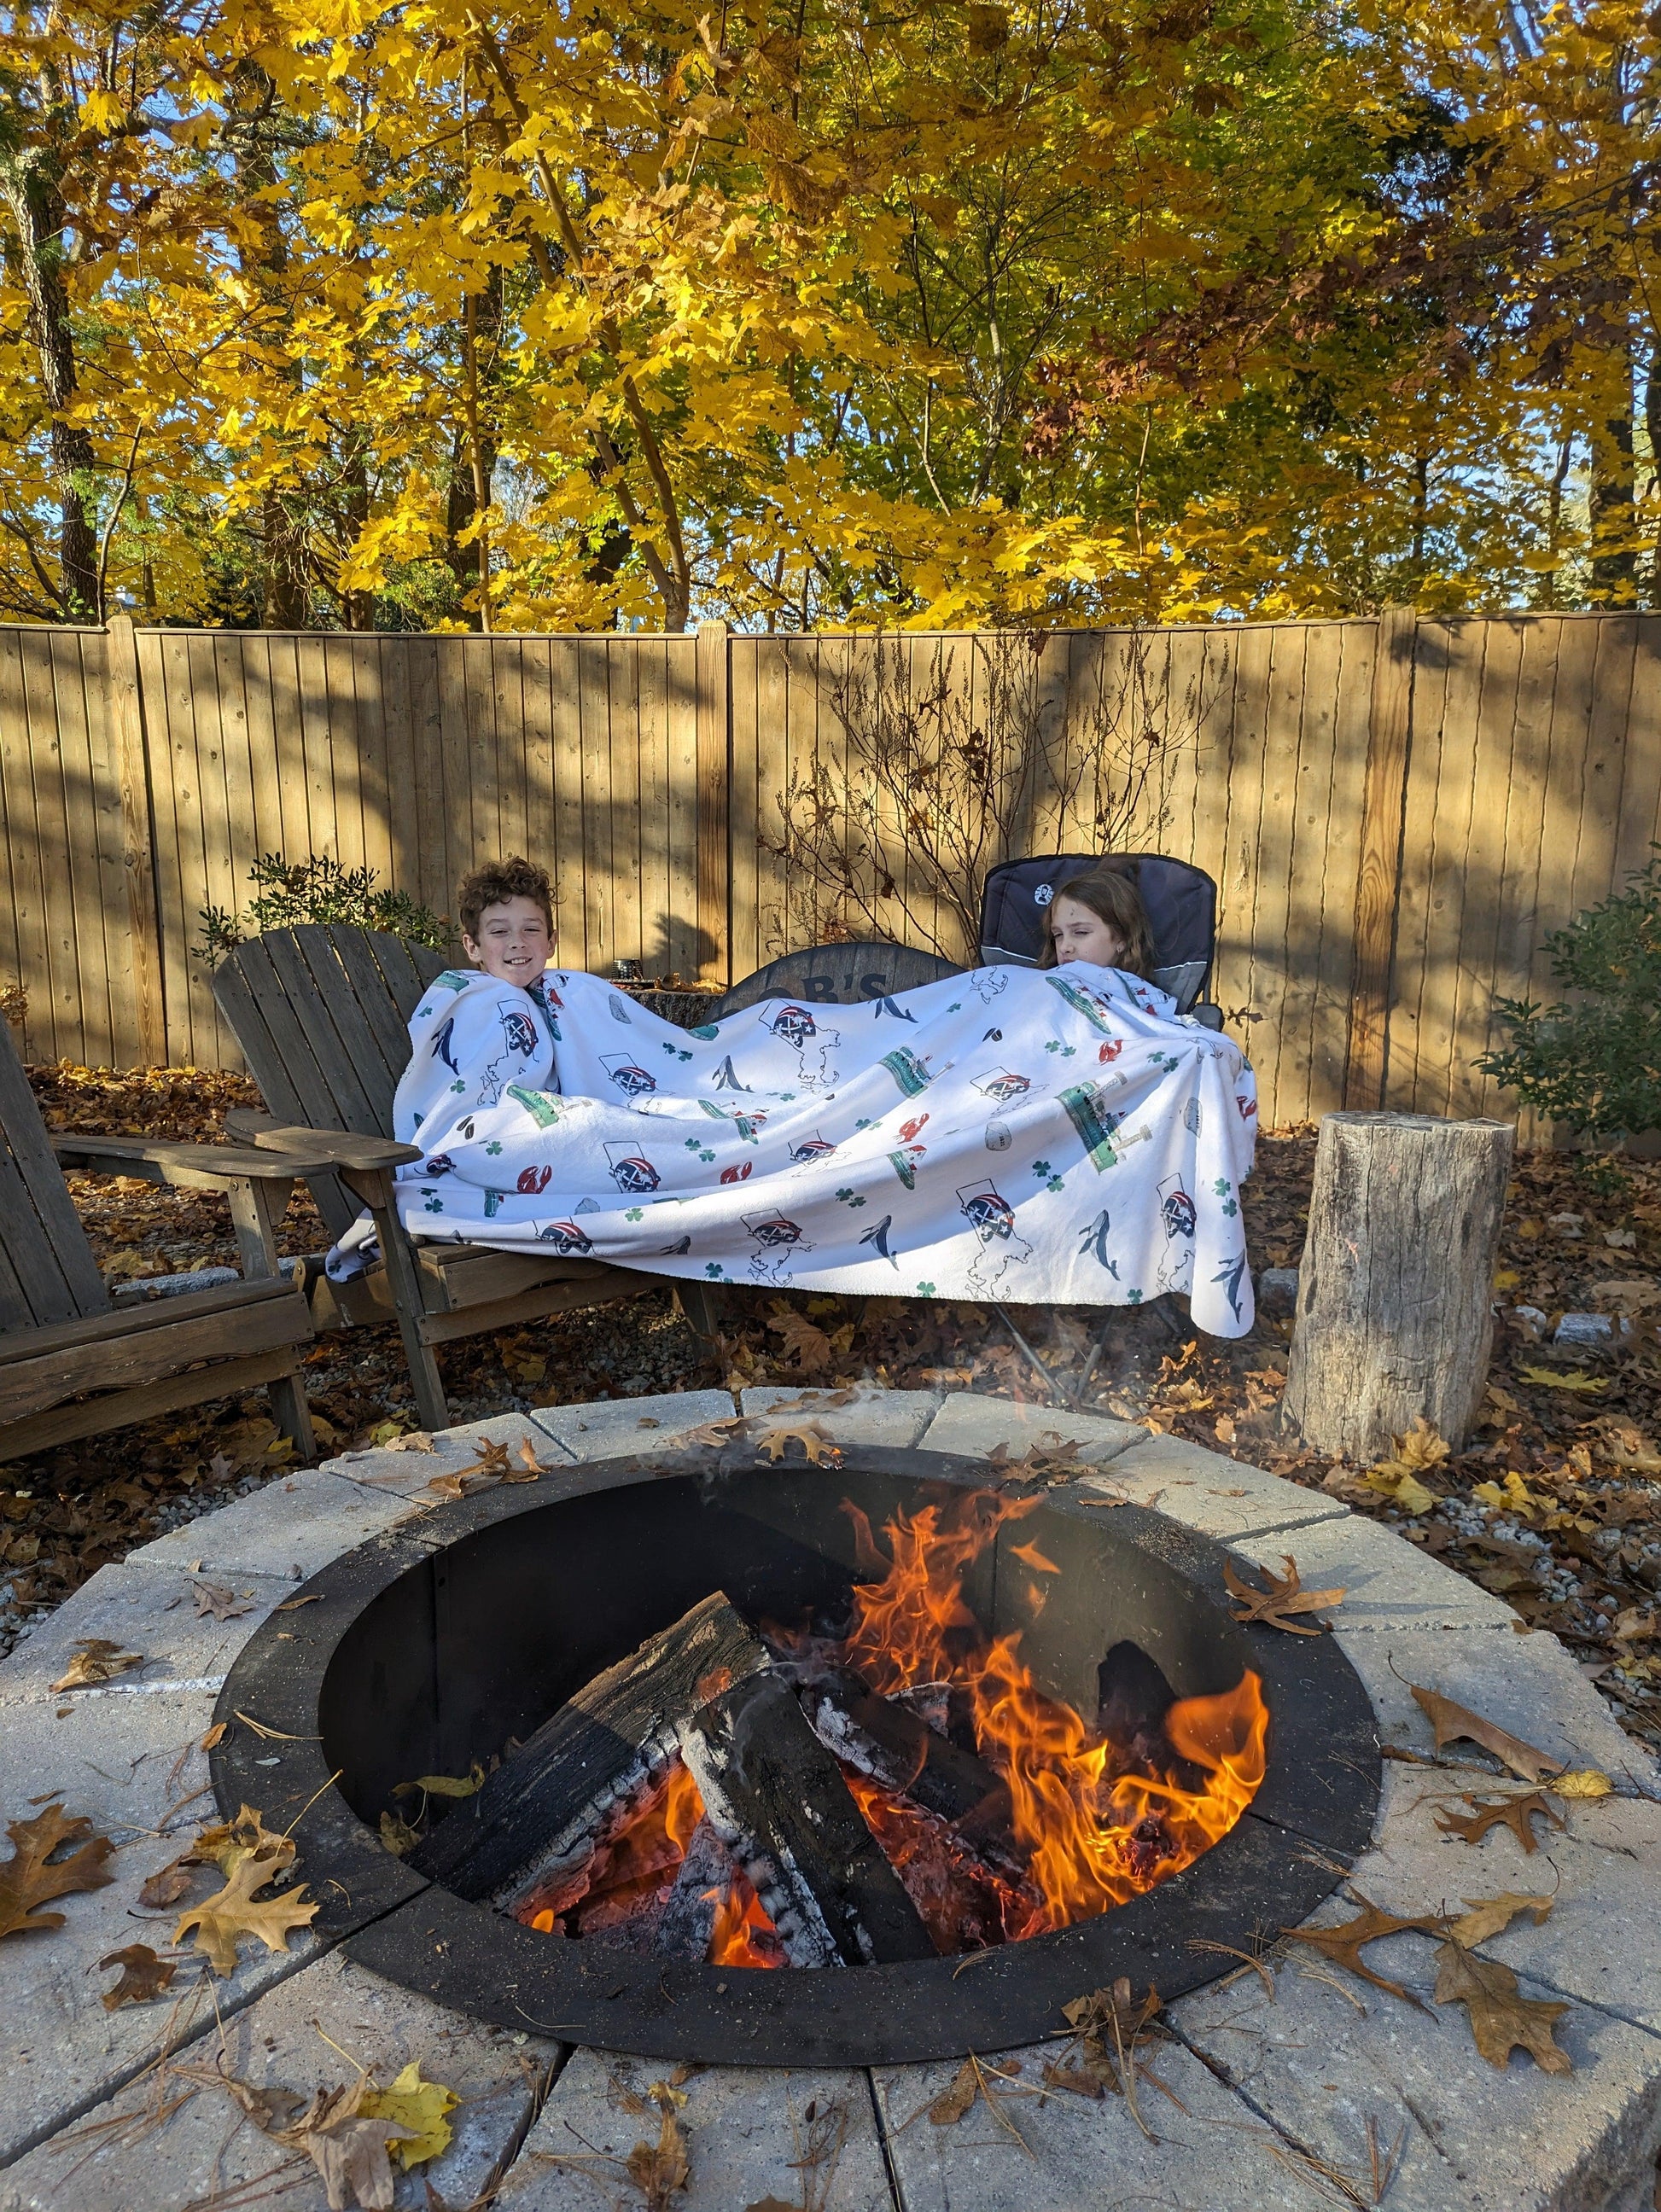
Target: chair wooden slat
{"x":220,"y":1299}
{"x":282,"y":1061}
{"x":40,"y":1380}
{"x":837,"y":975}
{"x":306,"y":995}
{"x":408,"y":969}
{"x":377,"y":1012}
{"x":50,"y":1275}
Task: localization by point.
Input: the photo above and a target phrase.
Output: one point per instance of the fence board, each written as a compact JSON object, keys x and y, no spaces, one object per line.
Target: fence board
{"x":1532,"y":788}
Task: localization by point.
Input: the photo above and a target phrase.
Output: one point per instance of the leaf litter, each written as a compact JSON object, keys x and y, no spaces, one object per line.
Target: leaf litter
{"x":96,"y":1659}
{"x":53,"y":1855}
{"x":1284,"y":1596}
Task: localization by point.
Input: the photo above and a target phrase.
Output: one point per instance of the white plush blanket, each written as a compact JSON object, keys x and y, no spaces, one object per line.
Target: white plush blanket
{"x":1060,"y":1136}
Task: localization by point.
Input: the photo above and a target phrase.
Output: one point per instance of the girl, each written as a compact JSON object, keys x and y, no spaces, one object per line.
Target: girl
{"x":1100,"y":918}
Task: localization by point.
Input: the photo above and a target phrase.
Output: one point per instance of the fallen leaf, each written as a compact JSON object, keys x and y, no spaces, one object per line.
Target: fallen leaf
{"x":803,"y":1339}
{"x":227,"y":1844}
{"x":1558,"y":1378}
{"x":1581,"y":1782}
{"x":1501,"y":2021}
{"x":1453,"y":1724}
{"x":661,"y":2169}
{"x":1516,"y":1813}
{"x":231,"y":1912}
{"x":398,"y":1836}
{"x":714,"y":1434}
{"x":222,"y":1603}
{"x":96,"y":1659}
{"x":1403,"y":1490}
{"x":31,"y":1877}
{"x":494,"y":1464}
{"x":444,"y":1785}
{"x":957,"y":2098}
{"x":1632,"y":1627}
{"x":1077,"y":2081}
{"x":414,"y":1440}
{"x":1280,"y":1598}
{"x":818,"y":1448}
{"x":1515,"y":1497}
{"x":272,"y":2109}
{"x":1343,"y":1943}
{"x":348,"y":2147}
{"x":293,"y":1604}
{"x":1486,"y":1916}
{"x":168,"y":1884}
{"x":1421,"y":1448}
{"x":143,"y":1975}
{"x":418,"y":2106}
{"x":1631,"y":1296}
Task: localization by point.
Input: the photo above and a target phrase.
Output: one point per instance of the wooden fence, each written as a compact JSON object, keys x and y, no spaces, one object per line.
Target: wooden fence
{"x":1396,"y":812}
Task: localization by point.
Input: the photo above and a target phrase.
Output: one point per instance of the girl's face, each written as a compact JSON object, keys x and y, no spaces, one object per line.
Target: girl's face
{"x":1082,"y":935}
{"x":513,"y":944}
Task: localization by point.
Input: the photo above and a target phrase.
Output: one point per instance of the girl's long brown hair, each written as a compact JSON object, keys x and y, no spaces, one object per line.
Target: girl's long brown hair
{"x":1111,"y":895}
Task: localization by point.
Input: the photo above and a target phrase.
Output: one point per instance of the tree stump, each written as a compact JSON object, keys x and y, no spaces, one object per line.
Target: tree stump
{"x":1396,"y":1291}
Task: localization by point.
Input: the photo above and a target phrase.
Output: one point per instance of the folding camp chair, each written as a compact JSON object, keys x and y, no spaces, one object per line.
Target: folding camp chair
{"x":1182,"y":911}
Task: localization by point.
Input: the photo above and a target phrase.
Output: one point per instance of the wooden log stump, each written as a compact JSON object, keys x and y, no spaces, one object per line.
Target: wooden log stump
{"x":1396,"y":1290}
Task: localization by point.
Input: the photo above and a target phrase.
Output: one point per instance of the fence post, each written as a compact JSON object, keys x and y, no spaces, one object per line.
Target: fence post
{"x":1378,"y":880}
{"x":125,"y":706}
{"x":715,"y":784}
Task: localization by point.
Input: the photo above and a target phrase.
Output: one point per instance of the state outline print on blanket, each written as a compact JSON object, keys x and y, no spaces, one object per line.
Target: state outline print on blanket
{"x":1058,"y":1136}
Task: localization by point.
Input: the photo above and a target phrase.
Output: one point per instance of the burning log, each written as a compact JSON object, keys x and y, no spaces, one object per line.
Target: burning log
{"x":704,"y":1879}
{"x":899,"y":1749}
{"x":542,"y":1810}
{"x":776,"y":1797}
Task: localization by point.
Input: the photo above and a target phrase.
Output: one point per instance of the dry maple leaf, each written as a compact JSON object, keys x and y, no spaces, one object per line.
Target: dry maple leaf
{"x":661,"y":2169}
{"x":28,"y":1881}
{"x":1453,"y":1724}
{"x":1487,"y":1916}
{"x":96,"y":1659}
{"x":817,"y":1447}
{"x":348,"y":2147}
{"x":1501,"y":2021}
{"x":1343,"y":1943}
{"x":1587,"y":1781}
{"x":1516,"y":1813}
{"x":222,"y":1603}
{"x":143,"y":1975}
{"x":232,"y":1912}
{"x":1281,"y":1597}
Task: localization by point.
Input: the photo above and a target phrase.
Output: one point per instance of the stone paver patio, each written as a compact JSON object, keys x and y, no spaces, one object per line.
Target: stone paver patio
{"x":1280,"y":2088}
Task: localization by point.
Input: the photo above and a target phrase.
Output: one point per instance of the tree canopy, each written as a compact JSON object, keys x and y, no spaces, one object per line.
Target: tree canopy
{"x":939,"y":313}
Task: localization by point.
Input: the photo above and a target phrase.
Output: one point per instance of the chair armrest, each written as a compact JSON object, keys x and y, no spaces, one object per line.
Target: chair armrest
{"x":333,"y":1148}
{"x":161,"y":1160}
{"x":242,"y":1124}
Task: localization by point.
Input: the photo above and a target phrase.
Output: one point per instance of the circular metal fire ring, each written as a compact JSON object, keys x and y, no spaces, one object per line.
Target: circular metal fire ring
{"x":382,"y":1665}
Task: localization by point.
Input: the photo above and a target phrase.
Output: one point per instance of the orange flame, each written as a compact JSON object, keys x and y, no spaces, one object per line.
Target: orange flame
{"x":1096,"y":1834}
{"x":743,"y":1933}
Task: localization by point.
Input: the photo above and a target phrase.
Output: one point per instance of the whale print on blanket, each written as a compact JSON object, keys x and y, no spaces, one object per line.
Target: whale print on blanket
{"x":1087,"y":1150}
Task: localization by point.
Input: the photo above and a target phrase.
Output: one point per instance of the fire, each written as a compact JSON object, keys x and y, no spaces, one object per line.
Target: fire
{"x":1093,"y":1821}
{"x":1096,"y":1832}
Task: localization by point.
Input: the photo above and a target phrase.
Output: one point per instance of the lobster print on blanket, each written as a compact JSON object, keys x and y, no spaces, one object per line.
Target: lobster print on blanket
{"x":1056,"y":1136}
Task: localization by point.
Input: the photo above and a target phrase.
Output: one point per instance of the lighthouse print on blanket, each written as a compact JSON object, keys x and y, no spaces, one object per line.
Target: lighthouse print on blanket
{"x":1056,"y":1136}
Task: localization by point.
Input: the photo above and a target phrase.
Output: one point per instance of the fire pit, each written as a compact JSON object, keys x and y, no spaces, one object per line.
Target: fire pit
{"x":968,"y":1748}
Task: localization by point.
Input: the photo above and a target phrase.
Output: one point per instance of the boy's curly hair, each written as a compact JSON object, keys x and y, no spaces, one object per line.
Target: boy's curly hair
{"x":496,"y":882}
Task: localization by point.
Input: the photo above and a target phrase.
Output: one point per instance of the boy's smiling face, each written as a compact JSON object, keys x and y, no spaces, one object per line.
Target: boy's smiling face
{"x":513,"y":942}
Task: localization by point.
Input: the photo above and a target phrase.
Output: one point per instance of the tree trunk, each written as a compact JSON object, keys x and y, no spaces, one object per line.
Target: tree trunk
{"x":1395,"y":1293}
{"x":1611,"y":509}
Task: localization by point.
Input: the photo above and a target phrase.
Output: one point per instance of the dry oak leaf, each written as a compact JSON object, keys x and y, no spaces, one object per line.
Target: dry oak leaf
{"x":1487,"y":1916}
{"x":804,"y":1339}
{"x":232,"y":1912}
{"x":714,"y":1434}
{"x":659,"y":2170}
{"x":222,"y":1602}
{"x":1501,"y":2021}
{"x":1343,"y":1944}
{"x":227,"y":1844}
{"x":1516,"y":1813}
{"x":348,"y":2147}
{"x":1280,"y":1598}
{"x":168,"y":1883}
{"x":1453,"y":1724}
{"x":143,"y":1975}
{"x":28,"y":1881}
{"x":96,"y":1659}
{"x":957,"y":2096}
{"x":818,"y":1448}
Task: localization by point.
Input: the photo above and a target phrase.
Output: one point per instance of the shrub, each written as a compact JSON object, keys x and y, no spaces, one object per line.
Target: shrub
{"x":1595,"y":1064}
{"x":318,"y":889}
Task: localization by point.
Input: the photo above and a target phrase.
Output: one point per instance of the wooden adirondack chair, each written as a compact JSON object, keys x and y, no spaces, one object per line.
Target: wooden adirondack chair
{"x":322,"y":1015}
{"x":70,"y":1365}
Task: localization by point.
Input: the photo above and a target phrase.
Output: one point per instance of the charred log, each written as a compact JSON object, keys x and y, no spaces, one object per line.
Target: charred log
{"x":900,"y":1751}
{"x":776,"y":1797}
{"x":546,"y":1805}
{"x":704,"y":1879}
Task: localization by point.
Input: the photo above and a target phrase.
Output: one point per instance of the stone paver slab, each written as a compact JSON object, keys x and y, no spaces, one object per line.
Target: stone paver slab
{"x":123,"y":1762}
{"x":207,"y":2149}
{"x":406,"y":1472}
{"x":1602,"y":1938}
{"x":1387,"y":1583}
{"x":1087,"y":2156}
{"x":1325,"y":2062}
{"x":748,"y":2133}
{"x":973,"y":1425}
{"x":293,"y":1527}
{"x":616,"y":1428}
{"x":1528,"y":1684}
{"x":876,"y":1416}
{"x":149,"y":1610}
{"x":1221,"y":1497}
